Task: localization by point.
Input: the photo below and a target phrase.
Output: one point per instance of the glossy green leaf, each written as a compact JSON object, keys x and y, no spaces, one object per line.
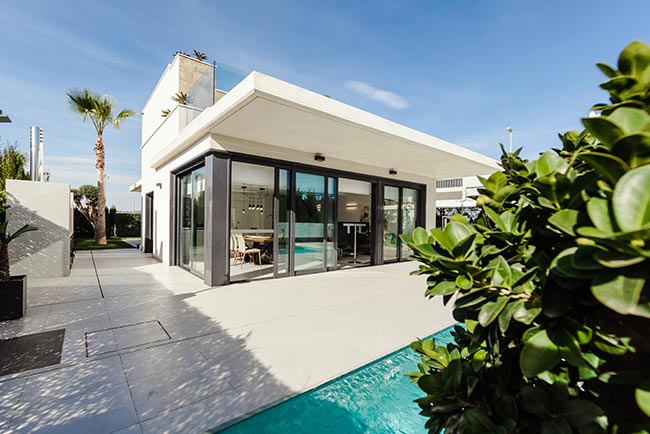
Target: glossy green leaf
{"x":507,"y":313}
{"x":604,"y":129}
{"x":550,"y":162}
{"x":479,"y":422}
{"x":464,"y":282}
{"x":443,"y":288}
{"x":635,"y":59}
{"x":642,"y":396}
{"x":556,"y":425}
{"x":631,"y":199}
{"x":580,"y":412}
{"x":420,"y":236}
{"x":607,"y":165}
{"x":634,"y":149}
{"x":527,"y":312}
{"x":539,"y":354}
{"x":536,"y":401}
{"x":607,"y":70}
{"x":598,"y":210}
{"x":619,"y":293}
{"x":491,"y":310}
{"x":565,"y":220}
{"x":620,"y":83}
{"x":631,"y":120}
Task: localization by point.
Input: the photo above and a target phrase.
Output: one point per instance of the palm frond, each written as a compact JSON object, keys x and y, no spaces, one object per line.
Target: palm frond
{"x":26,"y":228}
{"x":199,"y":55}
{"x":126,"y":113}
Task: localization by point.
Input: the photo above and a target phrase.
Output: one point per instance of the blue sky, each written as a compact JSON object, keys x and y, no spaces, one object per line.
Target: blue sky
{"x":459,"y":70}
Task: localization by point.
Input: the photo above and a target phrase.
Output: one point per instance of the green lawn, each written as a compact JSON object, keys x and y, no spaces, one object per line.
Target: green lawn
{"x":89,"y":244}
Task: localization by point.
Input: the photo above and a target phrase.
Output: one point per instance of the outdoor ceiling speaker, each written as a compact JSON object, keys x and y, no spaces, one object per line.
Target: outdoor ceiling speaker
{"x":319,"y":157}
{"x":392,"y":172}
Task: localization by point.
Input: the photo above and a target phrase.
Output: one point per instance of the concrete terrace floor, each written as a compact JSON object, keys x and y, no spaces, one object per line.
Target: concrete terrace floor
{"x":150,"y":349}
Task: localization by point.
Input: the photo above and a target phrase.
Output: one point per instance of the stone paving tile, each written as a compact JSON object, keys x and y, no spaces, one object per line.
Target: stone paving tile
{"x":81,"y":379}
{"x":200,"y":415}
{"x":10,"y":392}
{"x":133,"y":429}
{"x":100,"y":342}
{"x":101,"y":411}
{"x":156,"y":393}
{"x":139,"y":334}
{"x":33,"y":322}
{"x":171,"y":357}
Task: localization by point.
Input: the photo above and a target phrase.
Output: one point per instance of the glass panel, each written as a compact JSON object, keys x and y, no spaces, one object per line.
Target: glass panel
{"x":354,"y":212}
{"x":198,"y":220}
{"x":391,"y":208}
{"x":284,"y":218}
{"x":409,"y":214}
{"x":186,"y":220}
{"x":309,"y":235}
{"x":331,"y":228}
{"x":251,"y":220}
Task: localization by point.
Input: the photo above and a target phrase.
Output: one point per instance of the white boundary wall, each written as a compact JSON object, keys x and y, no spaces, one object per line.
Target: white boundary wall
{"x":48,"y":206}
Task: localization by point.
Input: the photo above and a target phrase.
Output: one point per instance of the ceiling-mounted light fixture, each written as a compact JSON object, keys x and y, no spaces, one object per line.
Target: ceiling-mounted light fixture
{"x":392,"y":172}
{"x":319,"y":157}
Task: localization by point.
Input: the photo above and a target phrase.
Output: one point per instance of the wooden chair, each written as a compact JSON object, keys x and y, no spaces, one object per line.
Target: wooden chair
{"x":241,"y":250}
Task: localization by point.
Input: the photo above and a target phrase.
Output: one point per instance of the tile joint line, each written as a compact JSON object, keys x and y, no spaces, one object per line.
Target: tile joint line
{"x":96,"y":274}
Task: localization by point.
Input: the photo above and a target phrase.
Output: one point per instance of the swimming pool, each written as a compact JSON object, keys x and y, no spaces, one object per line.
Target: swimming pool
{"x":376,"y":398}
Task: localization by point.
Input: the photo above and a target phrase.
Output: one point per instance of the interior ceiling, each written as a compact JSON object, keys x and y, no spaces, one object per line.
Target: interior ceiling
{"x":271,"y":122}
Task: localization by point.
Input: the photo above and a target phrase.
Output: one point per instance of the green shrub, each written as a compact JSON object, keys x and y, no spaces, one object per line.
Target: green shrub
{"x":551,"y":283}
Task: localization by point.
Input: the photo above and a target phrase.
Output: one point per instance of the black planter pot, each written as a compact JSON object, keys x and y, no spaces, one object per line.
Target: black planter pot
{"x":13,"y":298}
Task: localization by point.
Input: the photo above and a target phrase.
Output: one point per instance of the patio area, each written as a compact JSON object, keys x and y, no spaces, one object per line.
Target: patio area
{"x":150,"y":349}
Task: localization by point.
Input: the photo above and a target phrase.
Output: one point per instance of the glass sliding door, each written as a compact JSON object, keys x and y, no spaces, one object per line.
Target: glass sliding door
{"x":400,"y":217}
{"x":408,"y":209}
{"x":282,"y":210}
{"x":192,"y":221}
{"x":309,"y":235}
{"x":354,"y":223}
{"x":391,"y":223}
{"x":252,"y":229}
{"x":197,"y":252}
{"x":185,"y":235}
{"x":331,"y":229}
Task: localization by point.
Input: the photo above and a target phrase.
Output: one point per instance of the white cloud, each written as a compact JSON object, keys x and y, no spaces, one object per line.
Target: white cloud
{"x":382,"y":96}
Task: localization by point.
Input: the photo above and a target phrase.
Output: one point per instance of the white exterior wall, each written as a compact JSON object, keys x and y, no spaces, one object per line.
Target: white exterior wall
{"x":160,"y":99}
{"x":48,"y":206}
{"x":158,"y":132}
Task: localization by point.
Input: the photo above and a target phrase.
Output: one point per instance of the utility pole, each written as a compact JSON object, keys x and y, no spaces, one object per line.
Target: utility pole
{"x":509,"y":130}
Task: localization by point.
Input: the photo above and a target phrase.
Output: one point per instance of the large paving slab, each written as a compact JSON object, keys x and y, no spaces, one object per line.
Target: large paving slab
{"x":150,"y":349}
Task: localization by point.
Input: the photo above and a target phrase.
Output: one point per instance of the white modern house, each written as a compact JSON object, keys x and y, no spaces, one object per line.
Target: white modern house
{"x":255,"y":177}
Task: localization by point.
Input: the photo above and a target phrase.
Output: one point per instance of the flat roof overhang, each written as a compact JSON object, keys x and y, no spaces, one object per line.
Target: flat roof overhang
{"x":136,"y":187}
{"x":266,"y":110}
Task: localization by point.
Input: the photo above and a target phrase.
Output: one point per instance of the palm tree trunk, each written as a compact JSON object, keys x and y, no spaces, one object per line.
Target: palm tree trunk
{"x":100,"y":225}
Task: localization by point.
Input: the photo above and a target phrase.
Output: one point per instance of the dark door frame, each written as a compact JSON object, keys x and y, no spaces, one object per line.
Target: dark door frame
{"x":149,"y":221}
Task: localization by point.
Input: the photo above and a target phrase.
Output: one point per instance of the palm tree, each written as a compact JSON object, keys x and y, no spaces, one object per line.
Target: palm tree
{"x":182,"y":98}
{"x":99,"y":109}
{"x":199,"y":55}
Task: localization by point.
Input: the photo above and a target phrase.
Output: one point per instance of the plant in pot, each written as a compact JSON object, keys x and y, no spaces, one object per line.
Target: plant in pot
{"x":12,"y":288}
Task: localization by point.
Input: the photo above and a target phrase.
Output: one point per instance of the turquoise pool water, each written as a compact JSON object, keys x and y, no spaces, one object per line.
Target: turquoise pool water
{"x":376,"y":398}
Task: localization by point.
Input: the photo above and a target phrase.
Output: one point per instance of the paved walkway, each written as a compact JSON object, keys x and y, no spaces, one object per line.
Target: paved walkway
{"x":150,"y":349}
